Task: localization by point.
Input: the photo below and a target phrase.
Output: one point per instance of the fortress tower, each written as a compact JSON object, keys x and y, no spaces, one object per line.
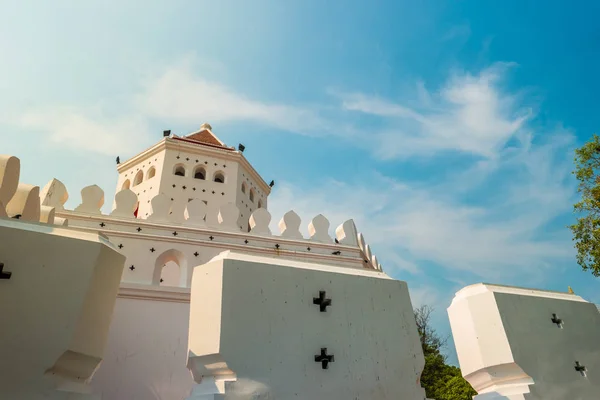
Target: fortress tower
{"x":213,"y":304}
{"x":196,"y":166}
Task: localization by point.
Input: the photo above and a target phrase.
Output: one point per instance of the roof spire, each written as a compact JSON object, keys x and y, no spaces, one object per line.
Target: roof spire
{"x":571,"y":290}
{"x":204,"y":126}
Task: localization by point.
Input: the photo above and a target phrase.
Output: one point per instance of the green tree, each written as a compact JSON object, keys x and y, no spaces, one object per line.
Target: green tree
{"x":440,"y":380}
{"x":586,"y":231}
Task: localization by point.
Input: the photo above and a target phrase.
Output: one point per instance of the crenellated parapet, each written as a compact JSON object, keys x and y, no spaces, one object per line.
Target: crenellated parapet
{"x":198,"y":222}
{"x":21,"y":200}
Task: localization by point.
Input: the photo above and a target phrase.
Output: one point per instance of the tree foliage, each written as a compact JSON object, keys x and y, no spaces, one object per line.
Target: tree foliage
{"x":586,"y":231}
{"x":440,"y":380}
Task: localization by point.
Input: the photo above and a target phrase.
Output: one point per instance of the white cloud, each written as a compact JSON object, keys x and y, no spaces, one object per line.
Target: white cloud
{"x":88,"y":130}
{"x":408,"y":223}
{"x":405,"y":223}
{"x":426,"y":295}
{"x":181,"y":95}
{"x":470,"y":114}
{"x":175,"y":94}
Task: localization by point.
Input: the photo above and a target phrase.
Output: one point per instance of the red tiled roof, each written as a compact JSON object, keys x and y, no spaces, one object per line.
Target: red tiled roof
{"x":195,"y":139}
{"x":205,"y":136}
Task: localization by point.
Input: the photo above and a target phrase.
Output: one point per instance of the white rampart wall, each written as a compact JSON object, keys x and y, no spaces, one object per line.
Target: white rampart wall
{"x":57,"y":292}
{"x":515,"y":343}
{"x":146,"y":352}
{"x":254,"y":328}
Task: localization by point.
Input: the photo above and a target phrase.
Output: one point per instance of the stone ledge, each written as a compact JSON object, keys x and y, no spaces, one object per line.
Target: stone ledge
{"x":154,"y":293}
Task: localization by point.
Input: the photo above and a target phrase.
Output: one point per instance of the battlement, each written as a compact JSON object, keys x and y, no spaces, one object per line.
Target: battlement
{"x":194,"y":222}
{"x":21,"y":200}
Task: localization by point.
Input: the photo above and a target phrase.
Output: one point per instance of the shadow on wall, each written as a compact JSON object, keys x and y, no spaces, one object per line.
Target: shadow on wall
{"x":246,"y":389}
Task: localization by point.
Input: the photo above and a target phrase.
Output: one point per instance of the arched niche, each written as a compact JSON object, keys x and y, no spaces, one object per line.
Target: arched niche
{"x":151,"y":173}
{"x":219,"y":177}
{"x":172,"y":267}
{"x":179,"y":170}
{"x":200,"y":173}
{"x":139,"y":177}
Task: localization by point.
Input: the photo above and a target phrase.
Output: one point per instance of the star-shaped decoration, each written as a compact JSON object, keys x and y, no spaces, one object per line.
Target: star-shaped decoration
{"x":206,"y":162}
{"x":174,"y":185}
{"x":246,"y":241}
{"x":139,"y":229}
{"x":175,"y":233}
{"x":177,"y":157}
{"x":224,"y":166}
{"x":187,"y":159}
{"x":196,"y":161}
{"x":152,"y":249}
{"x":222,"y":193}
{"x":132,"y":268}
{"x":213,"y":192}
{"x":308,"y":248}
{"x":277,"y":246}
{"x":161,"y":280}
{"x":183,"y":187}
{"x":121,"y":245}
{"x":196,"y":254}
{"x":102,"y":224}
{"x":171,"y":199}
{"x":203,"y":190}
{"x":194,"y":189}
{"x":215,"y":164}
{"x":211,"y":237}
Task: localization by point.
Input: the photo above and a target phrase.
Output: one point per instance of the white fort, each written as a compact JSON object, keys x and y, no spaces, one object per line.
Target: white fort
{"x":183,"y":292}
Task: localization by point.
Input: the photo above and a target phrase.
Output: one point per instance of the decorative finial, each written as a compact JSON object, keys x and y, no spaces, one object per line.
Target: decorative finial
{"x":571,"y":290}
{"x":205,"y":125}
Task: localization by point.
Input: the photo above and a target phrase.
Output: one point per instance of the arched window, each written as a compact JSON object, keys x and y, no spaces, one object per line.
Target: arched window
{"x":200,"y":173}
{"x":139,"y":177}
{"x":179,"y":170}
{"x":243,"y":187}
{"x":251,"y":195}
{"x":259,"y":204}
{"x":151,"y":172}
{"x":126,"y":184}
{"x":219,"y":177}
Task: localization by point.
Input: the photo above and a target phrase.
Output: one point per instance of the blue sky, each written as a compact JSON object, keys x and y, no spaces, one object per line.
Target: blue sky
{"x":445,"y":129}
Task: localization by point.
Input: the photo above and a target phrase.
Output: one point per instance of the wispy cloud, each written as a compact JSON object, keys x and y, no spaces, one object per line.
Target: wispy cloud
{"x":462,"y":31}
{"x":469,"y":114}
{"x":86,"y":129}
{"x":407,"y":223}
{"x":175,"y":94}
{"x":180,"y":94}
{"x":487,"y":217}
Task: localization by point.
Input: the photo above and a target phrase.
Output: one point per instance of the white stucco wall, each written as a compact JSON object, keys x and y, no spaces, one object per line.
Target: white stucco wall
{"x":55,"y":310}
{"x":253,"y":318}
{"x":146,"y":352}
{"x":507,"y":343}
